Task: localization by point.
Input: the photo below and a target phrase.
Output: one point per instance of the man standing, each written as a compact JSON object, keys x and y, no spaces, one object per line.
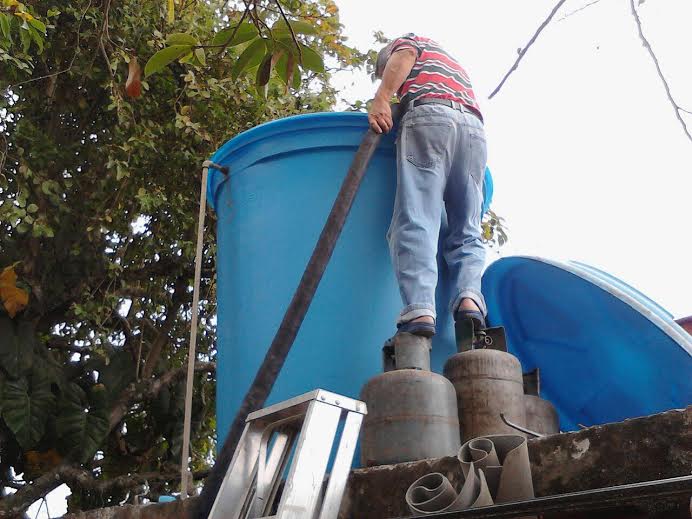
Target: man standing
{"x":441,"y":156}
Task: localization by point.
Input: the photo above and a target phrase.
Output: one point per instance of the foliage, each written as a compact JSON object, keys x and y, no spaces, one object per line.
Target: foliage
{"x":20,"y":30}
{"x":99,"y":182}
{"x":494,"y":229}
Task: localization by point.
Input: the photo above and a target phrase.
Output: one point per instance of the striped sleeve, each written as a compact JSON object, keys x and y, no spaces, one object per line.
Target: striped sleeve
{"x":406,"y":42}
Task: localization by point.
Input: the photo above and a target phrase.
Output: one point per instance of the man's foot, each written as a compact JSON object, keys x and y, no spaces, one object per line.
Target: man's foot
{"x":423,"y":326}
{"x":468,"y":309}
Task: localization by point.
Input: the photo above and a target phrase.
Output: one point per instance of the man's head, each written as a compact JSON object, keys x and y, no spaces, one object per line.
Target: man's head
{"x":381,"y":62}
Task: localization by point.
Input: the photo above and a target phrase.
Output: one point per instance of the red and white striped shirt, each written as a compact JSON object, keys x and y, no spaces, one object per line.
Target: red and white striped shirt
{"x":435,"y":74}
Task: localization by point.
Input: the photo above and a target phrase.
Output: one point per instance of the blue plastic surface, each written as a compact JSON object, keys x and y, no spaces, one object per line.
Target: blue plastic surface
{"x":606,"y":351}
{"x":284,"y":178}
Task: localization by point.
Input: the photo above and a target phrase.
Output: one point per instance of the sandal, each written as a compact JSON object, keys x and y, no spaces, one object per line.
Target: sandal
{"x":474,"y":315}
{"x":417,"y":328}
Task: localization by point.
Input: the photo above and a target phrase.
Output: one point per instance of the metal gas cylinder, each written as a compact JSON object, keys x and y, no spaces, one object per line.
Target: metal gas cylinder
{"x":541,"y":416}
{"x":487,"y":382}
{"x":412,"y":412}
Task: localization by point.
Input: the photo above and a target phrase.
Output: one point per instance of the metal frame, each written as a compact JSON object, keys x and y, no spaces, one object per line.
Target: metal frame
{"x":309,"y":423}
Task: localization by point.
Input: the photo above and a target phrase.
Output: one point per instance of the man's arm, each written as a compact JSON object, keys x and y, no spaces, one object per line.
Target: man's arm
{"x":395,"y":73}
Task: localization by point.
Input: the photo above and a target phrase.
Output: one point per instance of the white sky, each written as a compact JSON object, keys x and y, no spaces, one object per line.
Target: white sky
{"x":588,"y":159}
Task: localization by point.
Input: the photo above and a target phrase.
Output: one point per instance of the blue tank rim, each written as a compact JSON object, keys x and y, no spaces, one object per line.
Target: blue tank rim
{"x":650,"y":311}
{"x":273,"y":128}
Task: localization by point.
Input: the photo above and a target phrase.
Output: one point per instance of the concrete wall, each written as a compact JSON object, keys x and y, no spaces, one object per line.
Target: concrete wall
{"x":641,"y":449}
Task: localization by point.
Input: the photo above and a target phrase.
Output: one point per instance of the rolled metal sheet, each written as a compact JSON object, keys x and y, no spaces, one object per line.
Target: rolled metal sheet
{"x":495,"y":468}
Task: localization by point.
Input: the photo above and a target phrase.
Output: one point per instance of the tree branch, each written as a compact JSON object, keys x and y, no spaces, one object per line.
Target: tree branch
{"x":293,"y":34}
{"x":523,"y":51}
{"x":162,"y":337}
{"x":74,"y":475}
{"x":31,"y":492}
{"x":67,"y":473}
{"x":85,"y":479}
{"x":577,"y":10}
{"x":646,"y":44}
{"x":60,"y":343}
{"x":68,"y":68}
{"x":149,"y":388}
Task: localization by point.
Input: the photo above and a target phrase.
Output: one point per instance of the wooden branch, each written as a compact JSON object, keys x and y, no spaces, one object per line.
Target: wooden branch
{"x":59,"y":343}
{"x":31,"y":492}
{"x":593,"y":2}
{"x":523,"y":51}
{"x":125,"y":327}
{"x":162,"y":337}
{"x":235,"y":31}
{"x":68,"y":68}
{"x":293,"y":34}
{"x":75,"y":476}
{"x":647,"y":46}
{"x":67,"y":473}
{"x":150,"y":388}
{"x":85,"y":479}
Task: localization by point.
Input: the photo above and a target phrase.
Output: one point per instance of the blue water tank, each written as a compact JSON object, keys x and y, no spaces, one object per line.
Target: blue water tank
{"x":606,"y":352}
{"x":284,"y":178}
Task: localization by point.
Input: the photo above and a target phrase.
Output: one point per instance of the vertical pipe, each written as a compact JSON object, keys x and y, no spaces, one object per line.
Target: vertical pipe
{"x":192,"y":355}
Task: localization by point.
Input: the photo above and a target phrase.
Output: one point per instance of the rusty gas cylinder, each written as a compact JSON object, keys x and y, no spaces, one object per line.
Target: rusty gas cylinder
{"x":412,"y":412}
{"x":541,"y":416}
{"x":487,"y":383}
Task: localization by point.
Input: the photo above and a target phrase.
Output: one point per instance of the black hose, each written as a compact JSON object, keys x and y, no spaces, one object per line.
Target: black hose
{"x":288,"y":329}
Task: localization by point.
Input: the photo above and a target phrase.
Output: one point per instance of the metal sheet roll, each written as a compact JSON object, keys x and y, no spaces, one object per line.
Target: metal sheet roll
{"x":487,"y":383}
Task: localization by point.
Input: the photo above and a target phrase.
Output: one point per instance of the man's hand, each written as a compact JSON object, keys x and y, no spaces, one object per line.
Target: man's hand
{"x":380,"y":115}
{"x":398,"y":67}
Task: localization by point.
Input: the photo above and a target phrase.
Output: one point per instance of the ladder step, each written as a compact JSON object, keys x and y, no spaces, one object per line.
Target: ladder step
{"x":295,"y":436}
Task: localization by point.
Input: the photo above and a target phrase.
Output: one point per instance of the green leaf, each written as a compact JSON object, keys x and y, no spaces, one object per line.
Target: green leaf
{"x":32,"y":208}
{"x":311,"y":60}
{"x":171,"y":11}
{"x":280,"y":28}
{"x":117,"y":374}
{"x":201,"y":57}
{"x":287,"y":45}
{"x":245,"y":32}
{"x":181,"y":38}
{"x":38,"y":25}
{"x":83,"y":422}
{"x":38,"y":38}
{"x":16,"y":347}
{"x":25,"y":37}
{"x":28,"y":403}
{"x":263,"y":73}
{"x":3,"y":379}
{"x":250,"y":57}
{"x":164,"y":57}
{"x":297,"y":80}
{"x":286,"y":69}
{"x":5,"y":25}
{"x":188,"y":58}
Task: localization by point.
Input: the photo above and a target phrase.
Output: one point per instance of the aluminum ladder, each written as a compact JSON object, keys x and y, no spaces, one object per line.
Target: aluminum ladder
{"x":301,"y":431}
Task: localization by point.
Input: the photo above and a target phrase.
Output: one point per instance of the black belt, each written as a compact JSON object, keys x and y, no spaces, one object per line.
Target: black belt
{"x":455,"y":105}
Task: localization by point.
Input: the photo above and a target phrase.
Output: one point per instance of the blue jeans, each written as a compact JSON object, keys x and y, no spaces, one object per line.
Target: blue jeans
{"x":441,"y":156}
